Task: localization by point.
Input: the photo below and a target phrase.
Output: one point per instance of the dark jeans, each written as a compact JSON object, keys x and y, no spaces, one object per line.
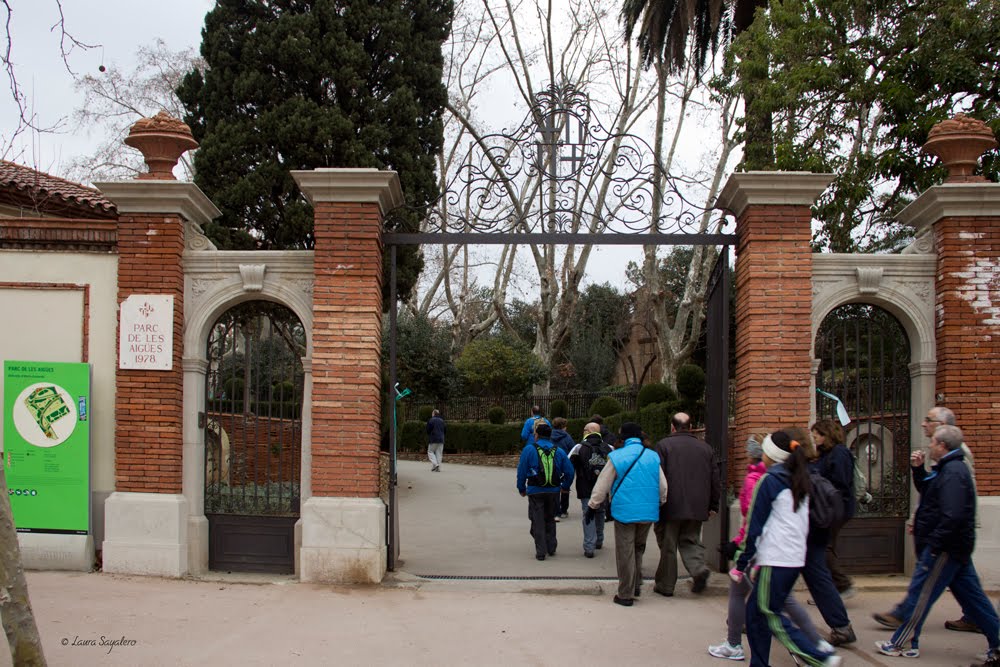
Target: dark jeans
{"x":932,"y":575}
{"x":764,"y":617}
{"x":542,"y":513}
{"x":563,"y":503}
{"x":840,"y":580}
{"x":820,"y":584}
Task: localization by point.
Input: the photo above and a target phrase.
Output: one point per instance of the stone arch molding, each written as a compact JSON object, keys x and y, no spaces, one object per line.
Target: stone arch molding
{"x":901,"y":284}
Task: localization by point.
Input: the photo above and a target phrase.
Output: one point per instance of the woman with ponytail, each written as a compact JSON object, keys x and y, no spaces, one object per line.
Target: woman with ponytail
{"x":775,"y":545}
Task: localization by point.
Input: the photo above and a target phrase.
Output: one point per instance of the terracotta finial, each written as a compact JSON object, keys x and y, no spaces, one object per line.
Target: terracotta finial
{"x":162,"y":140}
{"x":959,"y":142}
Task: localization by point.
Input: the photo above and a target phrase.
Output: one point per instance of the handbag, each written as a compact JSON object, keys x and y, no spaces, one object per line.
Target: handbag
{"x":611,"y":496}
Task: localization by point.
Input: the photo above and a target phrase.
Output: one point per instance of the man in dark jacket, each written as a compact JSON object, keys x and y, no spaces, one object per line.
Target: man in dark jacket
{"x":944,"y":534}
{"x":693,"y":482}
{"x":435,"y":440}
{"x":588,"y":459}
{"x":543,"y":471}
{"x":564,"y":441}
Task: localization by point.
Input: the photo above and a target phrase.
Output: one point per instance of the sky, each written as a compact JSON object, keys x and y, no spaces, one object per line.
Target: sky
{"x":116,"y":29}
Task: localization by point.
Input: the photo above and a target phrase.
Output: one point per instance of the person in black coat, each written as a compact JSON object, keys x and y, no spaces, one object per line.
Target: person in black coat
{"x":836,"y":463}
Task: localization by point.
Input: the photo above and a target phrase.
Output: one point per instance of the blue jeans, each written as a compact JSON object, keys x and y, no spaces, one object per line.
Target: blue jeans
{"x":933,"y":574}
{"x":593,"y":532}
{"x":764,"y":616}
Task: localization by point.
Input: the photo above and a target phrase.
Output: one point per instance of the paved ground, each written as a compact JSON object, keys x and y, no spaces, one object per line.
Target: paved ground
{"x":466,"y":521}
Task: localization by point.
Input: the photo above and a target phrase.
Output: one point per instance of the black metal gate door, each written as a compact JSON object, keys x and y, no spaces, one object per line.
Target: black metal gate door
{"x":253,"y":438}
{"x":864,"y":355}
{"x":717,"y":372}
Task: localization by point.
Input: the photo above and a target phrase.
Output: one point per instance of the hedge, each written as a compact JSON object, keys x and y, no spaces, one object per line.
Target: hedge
{"x":476,"y":436}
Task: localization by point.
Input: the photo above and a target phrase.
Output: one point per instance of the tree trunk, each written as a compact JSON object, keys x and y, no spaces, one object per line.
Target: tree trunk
{"x":15,"y":607}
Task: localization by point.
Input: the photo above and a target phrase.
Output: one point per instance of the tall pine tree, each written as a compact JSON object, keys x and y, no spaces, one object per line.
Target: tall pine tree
{"x":303,"y":84}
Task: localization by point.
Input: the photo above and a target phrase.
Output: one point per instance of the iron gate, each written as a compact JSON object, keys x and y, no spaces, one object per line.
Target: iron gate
{"x":717,"y":377}
{"x":253,"y":437}
{"x":864,"y":355}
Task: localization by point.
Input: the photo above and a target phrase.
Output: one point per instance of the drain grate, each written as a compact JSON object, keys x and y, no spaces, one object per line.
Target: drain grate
{"x":489,"y":577}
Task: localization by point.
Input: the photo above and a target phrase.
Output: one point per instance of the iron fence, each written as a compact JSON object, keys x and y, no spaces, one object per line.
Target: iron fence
{"x":517,"y":408}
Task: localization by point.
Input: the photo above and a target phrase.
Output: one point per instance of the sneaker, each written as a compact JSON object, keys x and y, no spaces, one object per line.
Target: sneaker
{"x":888,"y":648}
{"x":564,"y":515}
{"x":848,"y":594}
{"x":841,"y":636}
{"x":962,"y":625}
{"x":599,"y":545}
{"x":989,"y":659}
{"x":625,"y":602}
{"x":698,"y":583}
{"x":540,"y":557}
{"x":824,"y":646}
{"x":728,"y":651}
{"x":637,"y":593}
{"x":588,"y":554}
{"x":557,"y":518}
{"x":832,"y":661}
{"x":887,"y":621}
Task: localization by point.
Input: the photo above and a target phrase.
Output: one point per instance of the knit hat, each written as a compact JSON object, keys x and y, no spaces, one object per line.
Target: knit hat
{"x":754,"y":448}
{"x":630,"y":430}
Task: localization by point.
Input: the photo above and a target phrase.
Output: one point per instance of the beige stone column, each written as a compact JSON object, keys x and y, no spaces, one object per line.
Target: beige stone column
{"x":773,"y":301}
{"x":343,"y":522}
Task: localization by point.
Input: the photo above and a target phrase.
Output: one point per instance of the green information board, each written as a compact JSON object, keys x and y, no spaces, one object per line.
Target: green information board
{"x":46,"y":445}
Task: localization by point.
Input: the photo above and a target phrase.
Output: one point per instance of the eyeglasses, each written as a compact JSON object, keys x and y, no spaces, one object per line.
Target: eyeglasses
{"x":928,"y":420}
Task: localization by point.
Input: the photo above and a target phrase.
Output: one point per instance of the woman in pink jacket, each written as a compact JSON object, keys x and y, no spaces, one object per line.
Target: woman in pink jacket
{"x":732,"y":648}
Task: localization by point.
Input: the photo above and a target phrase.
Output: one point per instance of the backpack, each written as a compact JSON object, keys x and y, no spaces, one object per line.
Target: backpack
{"x":546,"y":477}
{"x":594,"y":464}
{"x":826,"y":507}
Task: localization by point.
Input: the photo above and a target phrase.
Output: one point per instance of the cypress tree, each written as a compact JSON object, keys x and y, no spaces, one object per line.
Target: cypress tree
{"x":303,"y":84}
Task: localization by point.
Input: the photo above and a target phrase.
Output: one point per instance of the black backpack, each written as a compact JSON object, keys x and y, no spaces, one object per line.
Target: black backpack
{"x":597,"y":459}
{"x":546,"y":477}
{"x":826,"y":507}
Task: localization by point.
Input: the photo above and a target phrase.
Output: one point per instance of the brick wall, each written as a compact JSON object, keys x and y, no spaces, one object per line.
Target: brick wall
{"x":773,"y":315}
{"x":347,"y":339}
{"x":148,"y":404}
{"x":261,"y":449}
{"x":968,"y":335}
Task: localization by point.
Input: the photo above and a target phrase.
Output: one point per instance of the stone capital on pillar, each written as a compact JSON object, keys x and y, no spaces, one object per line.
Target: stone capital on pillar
{"x":771,"y":188}
{"x":351,"y":186}
{"x":179,"y":198}
{"x":951,"y":200}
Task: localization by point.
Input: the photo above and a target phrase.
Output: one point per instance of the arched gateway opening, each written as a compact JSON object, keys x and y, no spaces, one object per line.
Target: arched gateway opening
{"x":253,"y":437}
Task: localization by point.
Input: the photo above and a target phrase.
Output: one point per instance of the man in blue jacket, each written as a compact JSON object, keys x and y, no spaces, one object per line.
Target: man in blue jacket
{"x":536,"y":419}
{"x":944,"y":533}
{"x":542,"y":473}
{"x":635,"y":481}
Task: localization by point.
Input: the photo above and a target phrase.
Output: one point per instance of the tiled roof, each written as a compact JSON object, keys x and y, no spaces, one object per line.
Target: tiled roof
{"x":47,"y":194}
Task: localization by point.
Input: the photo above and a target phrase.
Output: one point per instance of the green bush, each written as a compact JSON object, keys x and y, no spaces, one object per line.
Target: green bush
{"x":559,"y":408}
{"x":691,"y":383}
{"x":233,"y":388}
{"x":497,"y":415}
{"x":424,"y":412}
{"x":655,"y":392}
{"x":606,"y":406}
{"x":465,"y":437}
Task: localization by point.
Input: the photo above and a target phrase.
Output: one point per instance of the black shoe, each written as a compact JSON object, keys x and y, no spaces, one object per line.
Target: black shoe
{"x":698,"y":583}
{"x":637,"y":592}
{"x":540,"y":557}
{"x":663,"y":593}
{"x":588,"y":554}
{"x":599,"y":545}
{"x":552,"y":553}
{"x":623,"y":602}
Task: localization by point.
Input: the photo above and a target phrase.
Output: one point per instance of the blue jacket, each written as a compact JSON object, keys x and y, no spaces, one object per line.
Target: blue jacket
{"x":562,"y":440}
{"x":530,"y":465}
{"x":946,"y":516}
{"x":636,"y":492}
{"x":528,"y":430}
{"x":435,"y":430}
{"x":837,"y":465}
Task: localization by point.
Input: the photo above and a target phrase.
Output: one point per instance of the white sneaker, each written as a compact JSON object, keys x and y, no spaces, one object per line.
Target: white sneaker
{"x":849,"y":593}
{"x":728,"y":651}
{"x":825,"y":647}
{"x":833,"y":661}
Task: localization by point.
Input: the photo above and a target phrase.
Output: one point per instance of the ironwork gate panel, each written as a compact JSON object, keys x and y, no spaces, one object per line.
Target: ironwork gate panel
{"x":864,"y":355}
{"x":253,"y":437}
{"x":717,"y":372}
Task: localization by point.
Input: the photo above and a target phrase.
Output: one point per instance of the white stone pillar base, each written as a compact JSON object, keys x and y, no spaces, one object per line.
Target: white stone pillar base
{"x":146,"y":533}
{"x":986,"y":557}
{"x":343,"y":540}
{"x":50,"y":551}
{"x":197,"y":545}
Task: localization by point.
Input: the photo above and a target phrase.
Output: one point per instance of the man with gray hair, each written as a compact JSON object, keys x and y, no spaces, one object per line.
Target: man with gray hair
{"x":944,"y":533}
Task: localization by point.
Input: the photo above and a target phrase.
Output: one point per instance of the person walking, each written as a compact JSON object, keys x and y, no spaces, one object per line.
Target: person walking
{"x":531,"y":423}
{"x":692,"y":474}
{"x":435,"y":440}
{"x":775,"y":548}
{"x":634,"y":481}
{"x":944,"y":533}
{"x":588,"y":459}
{"x":836,"y":463}
{"x":564,"y":441}
{"x":542,"y":472}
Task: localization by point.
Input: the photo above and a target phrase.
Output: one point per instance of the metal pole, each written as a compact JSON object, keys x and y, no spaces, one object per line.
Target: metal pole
{"x":393,"y":529}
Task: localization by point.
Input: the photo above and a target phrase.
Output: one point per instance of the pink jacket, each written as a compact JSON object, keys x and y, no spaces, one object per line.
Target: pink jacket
{"x":754,"y":472}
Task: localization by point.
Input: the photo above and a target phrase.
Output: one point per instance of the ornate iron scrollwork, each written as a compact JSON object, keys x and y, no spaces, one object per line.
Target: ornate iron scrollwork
{"x":561,"y":171}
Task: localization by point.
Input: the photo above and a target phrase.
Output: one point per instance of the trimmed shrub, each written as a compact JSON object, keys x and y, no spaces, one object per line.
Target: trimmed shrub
{"x":605,"y":406}
{"x":559,"y":408}
{"x":690,"y":383}
{"x":465,"y":437}
{"x":424,"y":412}
{"x":655,"y":392}
{"x":497,"y":415}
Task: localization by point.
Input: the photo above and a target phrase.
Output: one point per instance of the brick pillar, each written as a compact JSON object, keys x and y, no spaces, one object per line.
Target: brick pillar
{"x":343,"y":524}
{"x":773,"y":301}
{"x":146,"y":517}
